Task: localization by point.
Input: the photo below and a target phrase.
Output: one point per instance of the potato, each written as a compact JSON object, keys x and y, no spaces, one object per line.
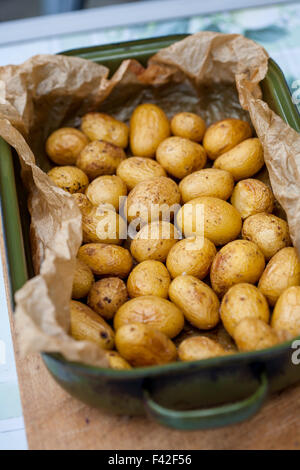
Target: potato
{"x":69,"y":178}
{"x":242,"y":301}
{"x":224,"y":135}
{"x":153,"y":200}
{"x":188,"y":125}
{"x":207,"y":182}
{"x":251,"y":197}
{"x":282,"y":271}
{"x":159,"y":313}
{"x":149,"y":278}
{"x":149,"y":126}
{"x":154,"y":241}
{"x":82,"y":202}
{"x":103,"y":225}
{"x":180,"y":157}
{"x":100,"y":158}
{"x":141,"y":345}
{"x":86,"y":325}
{"x":107,"y":190}
{"x":198,"y":348}
{"x":286,"y":315}
{"x":106,"y":260}
{"x":64,"y":145}
{"x":244,"y":160}
{"x":237,"y":262}
{"x":99,"y":126}
{"x":82,"y":281}
{"x":197,"y":300}
{"x":191,"y":256}
{"x":107,"y":295}
{"x":253,"y":334}
{"x":218,"y":219}
{"x":270,"y":233}
{"x":115,"y":361}
{"x":134,"y":170}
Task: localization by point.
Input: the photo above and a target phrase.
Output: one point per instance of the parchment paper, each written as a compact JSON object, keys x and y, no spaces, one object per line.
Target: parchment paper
{"x":209,"y":73}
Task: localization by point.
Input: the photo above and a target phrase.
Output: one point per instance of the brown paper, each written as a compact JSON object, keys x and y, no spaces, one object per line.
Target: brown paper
{"x":201,"y":73}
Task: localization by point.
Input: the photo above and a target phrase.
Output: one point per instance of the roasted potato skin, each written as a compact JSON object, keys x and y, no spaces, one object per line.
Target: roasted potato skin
{"x":198,"y":348}
{"x":155,"y":311}
{"x":243,"y":301}
{"x":117,"y":362}
{"x":135,"y":170}
{"x":69,"y":178}
{"x":198,"y":302}
{"x":188,"y":125}
{"x":100,"y":158}
{"x":100,"y":126}
{"x":207,"y":182}
{"x":149,"y":126}
{"x":64,"y":145}
{"x":237,"y":262}
{"x":107,"y":295}
{"x":106,"y":260}
{"x":149,"y":278}
{"x":107,"y":189}
{"x":286,"y":314}
{"x":253,"y":334}
{"x":223,"y":135}
{"x":82,"y":281}
{"x":104,"y":226}
{"x":251,"y":197}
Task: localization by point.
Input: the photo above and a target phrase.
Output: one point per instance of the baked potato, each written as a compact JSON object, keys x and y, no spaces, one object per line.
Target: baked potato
{"x":251,"y":197}
{"x":106,"y":260}
{"x":100,"y":158}
{"x":188,"y":125}
{"x":64,"y":145}
{"x":286,"y":314}
{"x":82,"y":281}
{"x":107,"y":296}
{"x":107,"y":189}
{"x":253,"y":334}
{"x":149,"y":278}
{"x":207,"y":182}
{"x":198,"y":348}
{"x":135,"y":170}
{"x":100,"y":126}
{"x":117,"y":362}
{"x":69,"y":178}
{"x":103,"y":225}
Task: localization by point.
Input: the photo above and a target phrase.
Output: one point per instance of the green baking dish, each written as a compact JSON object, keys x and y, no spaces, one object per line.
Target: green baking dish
{"x":196,"y":395}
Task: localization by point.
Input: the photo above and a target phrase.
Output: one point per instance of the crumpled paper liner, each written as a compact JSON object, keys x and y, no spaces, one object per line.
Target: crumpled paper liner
{"x":201,"y":73}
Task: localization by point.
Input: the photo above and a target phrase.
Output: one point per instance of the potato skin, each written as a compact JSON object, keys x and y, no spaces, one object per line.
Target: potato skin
{"x":237,"y":262}
{"x":191,"y":256}
{"x":198,"y":348}
{"x":104,"y":226}
{"x":135,"y":170}
{"x":197,"y":300}
{"x":117,"y":362}
{"x":141,"y":345}
{"x":180,"y":157}
{"x":222,"y":222}
{"x":244,"y":160}
{"x":155,"y":311}
{"x":188,"y":125}
{"x":149,"y":278}
{"x":207,"y":182}
{"x":106,"y":260}
{"x":270,"y":233}
{"x":253,"y":334}
{"x":282,"y":271}
{"x":86,"y":325}
{"x":243,"y":301}
{"x":107,"y":189}
{"x":64,"y":145}
{"x":224,"y":135}
{"x":251,"y":197}
{"x":286,"y":314}
{"x":149,"y":126}
{"x":107,"y":296}
{"x":100,"y":158}
{"x":82,"y":281}
{"x":69,"y":178}
{"x":100,"y":126}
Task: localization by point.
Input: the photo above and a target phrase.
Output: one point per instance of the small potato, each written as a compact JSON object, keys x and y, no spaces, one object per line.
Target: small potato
{"x":106,"y":260}
{"x":244,"y":160}
{"x":154,"y":241}
{"x":238,"y":261}
{"x":86,"y":325}
{"x":107,"y":190}
{"x":107,"y":295}
{"x":270,"y":233}
{"x":115,"y":361}
{"x":198,"y":348}
{"x":104,"y":226}
{"x":207,"y":182}
{"x":199,"y":303}
{"x":218,"y":219}
{"x":82,"y":281}
{"x":82,"y":202}
{"x":99,"y":126}
{"x":243,"y":301}
{"x":286,"y":315}
{"x":149,"y":126}
{"x":224,"y":135}
{"x":180,"y":157}
{"x":141,"y":345}
{"x":100,"y":158}
{"x":282,"y":271}
{"x":188,"y":125}
{"x":64,"y":145}
{"x":134,"y":170}
{"x":149,"y":278}
{"x":191,"y":256}
{"x":159,"y":313}
{"x":69,"y":178}
{"x":251,"y":197}
{"x":253,"y":334}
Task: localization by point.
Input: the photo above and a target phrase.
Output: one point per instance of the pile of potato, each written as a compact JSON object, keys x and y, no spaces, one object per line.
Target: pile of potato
{"x":157,"y":297}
